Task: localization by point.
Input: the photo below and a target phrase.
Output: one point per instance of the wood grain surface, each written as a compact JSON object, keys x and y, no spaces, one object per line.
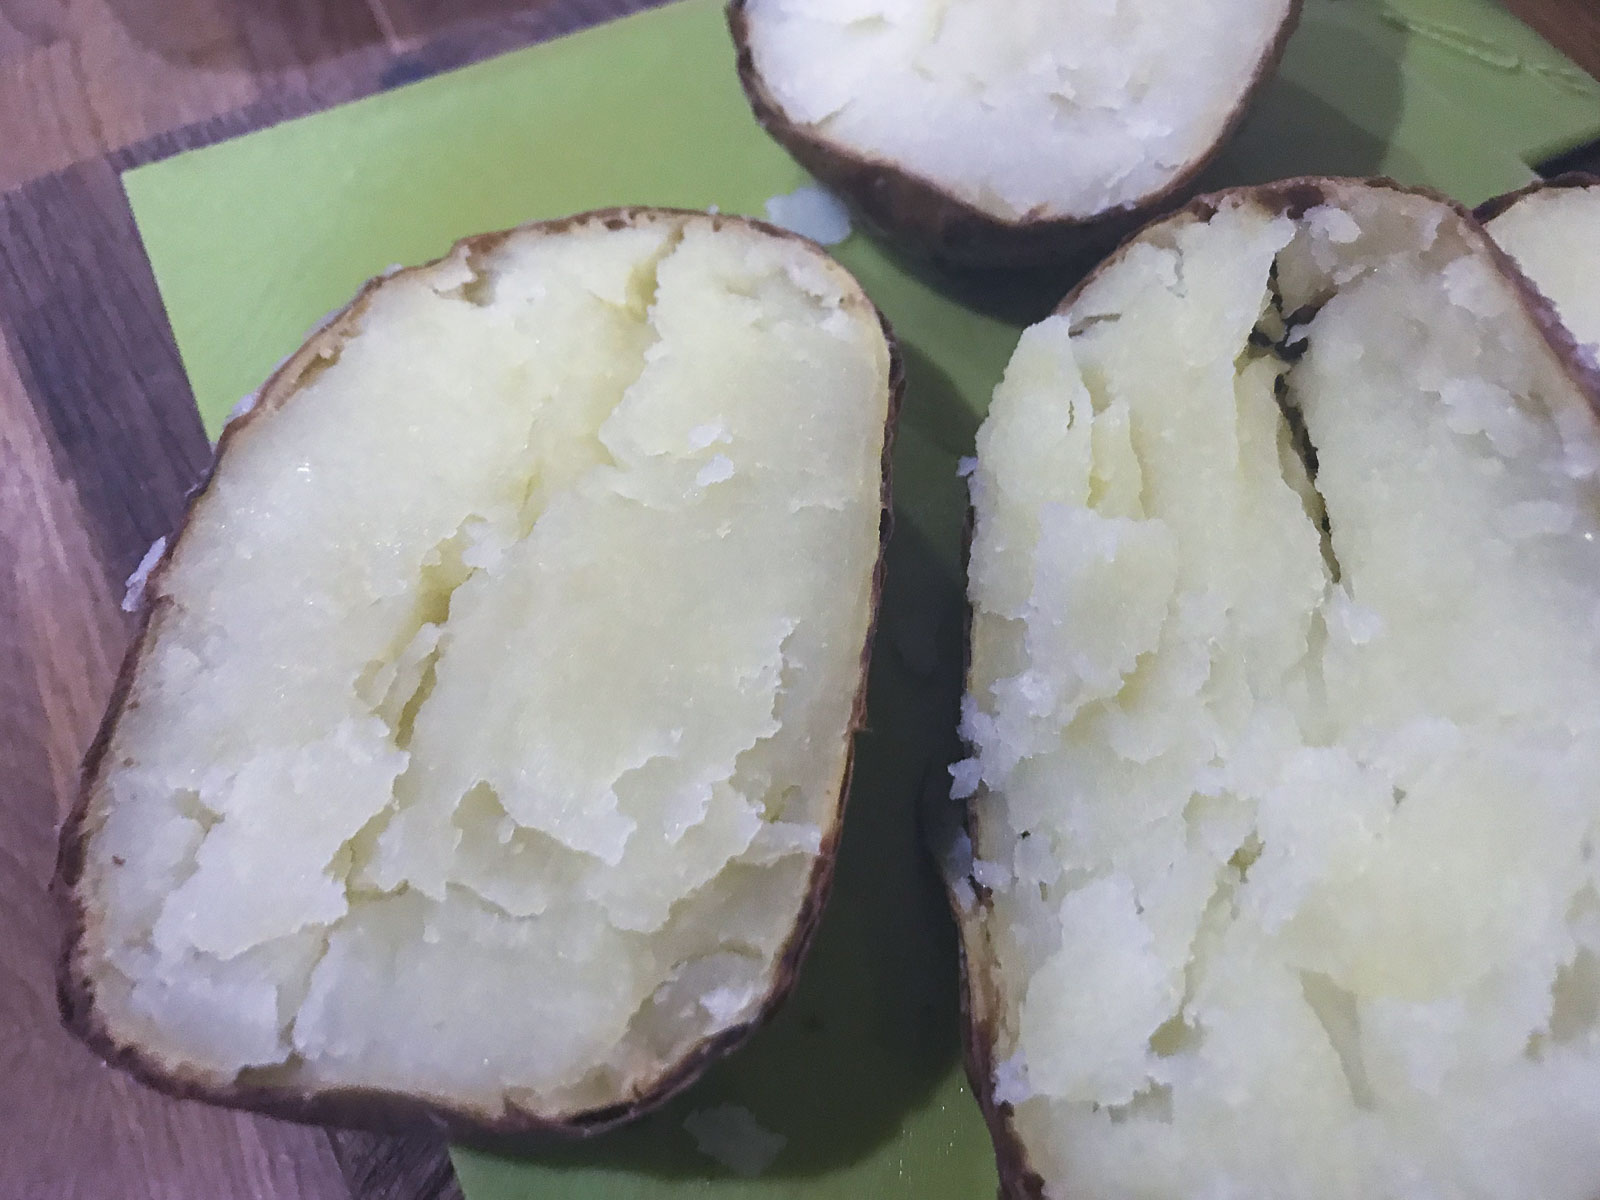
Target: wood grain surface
{"x":99,"y":440}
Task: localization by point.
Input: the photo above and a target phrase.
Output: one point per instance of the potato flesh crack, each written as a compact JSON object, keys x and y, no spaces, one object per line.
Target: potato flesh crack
{"x":480,"y":544}
{"x":583,"y":700}
{"x":1335,"y":1009}
{"x":1295,"y":626}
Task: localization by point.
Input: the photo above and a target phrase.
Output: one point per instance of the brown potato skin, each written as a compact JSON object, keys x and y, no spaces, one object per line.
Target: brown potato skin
{"x":981,"y":1003}
{"x":924,"y":218}
{"x":392,"y":1111}
{"x":1495,"y":205}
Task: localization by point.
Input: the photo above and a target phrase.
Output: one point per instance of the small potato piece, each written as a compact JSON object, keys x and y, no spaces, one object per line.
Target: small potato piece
{"x":1006,"y":135}
{"x":1284,"y":712}
{"x":484,"y":752}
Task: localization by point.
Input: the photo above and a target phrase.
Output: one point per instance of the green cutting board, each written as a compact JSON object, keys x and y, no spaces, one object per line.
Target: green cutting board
{"x":253,"y":240}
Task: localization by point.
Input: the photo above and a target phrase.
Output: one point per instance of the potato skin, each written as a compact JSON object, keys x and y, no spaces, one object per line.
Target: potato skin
{"x":981,"y":1003}
{"x":927,"y":220}
{"x":1495,"y":205}
{"x":393,"y":1111}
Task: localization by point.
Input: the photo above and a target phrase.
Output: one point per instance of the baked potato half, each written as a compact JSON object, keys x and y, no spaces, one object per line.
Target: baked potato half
{"x":1040,"y":133}
{"x":1284,"y":719}
{"x":482,"y":754}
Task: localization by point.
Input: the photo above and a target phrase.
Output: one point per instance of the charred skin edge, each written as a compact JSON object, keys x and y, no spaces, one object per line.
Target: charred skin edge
{"x":917,"y":213}
{"x":385,"y":1110}
{"x":980,"y":993}
{"x":980,"y":1010}
{"x":1495,"y":205}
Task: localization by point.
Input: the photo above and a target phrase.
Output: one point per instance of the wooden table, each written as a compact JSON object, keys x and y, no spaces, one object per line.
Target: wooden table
{"x":98,"y":441}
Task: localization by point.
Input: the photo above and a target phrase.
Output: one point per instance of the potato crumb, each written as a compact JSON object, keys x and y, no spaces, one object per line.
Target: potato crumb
{"x":730,"y":1134}
{"x":811,"y":211}
{"x":133,"y":595}
{"x":718,"y":470}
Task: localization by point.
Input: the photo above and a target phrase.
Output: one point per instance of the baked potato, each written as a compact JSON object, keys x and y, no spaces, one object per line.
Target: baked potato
{"x":1039,"y":133}
{"x":482,"y":753}
{"x":1284,"y":719}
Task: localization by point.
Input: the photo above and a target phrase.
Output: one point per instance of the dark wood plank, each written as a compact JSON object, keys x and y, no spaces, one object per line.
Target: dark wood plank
{"x":377,"y":1167}
{"x":91,"y":342}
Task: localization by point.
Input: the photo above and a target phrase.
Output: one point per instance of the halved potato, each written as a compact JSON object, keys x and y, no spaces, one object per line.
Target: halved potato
{"x":484,"y":751}
{"x":1284,"y":712}
{"x":1005,"y":136}
{"x":1552,"y":230}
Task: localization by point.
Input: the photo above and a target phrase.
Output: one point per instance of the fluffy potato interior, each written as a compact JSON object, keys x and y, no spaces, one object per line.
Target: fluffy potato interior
{"x":499,"y":689}
{"x":1285,"y":695}
{"x":1554,"y":234}
{"x":1044,"y":110}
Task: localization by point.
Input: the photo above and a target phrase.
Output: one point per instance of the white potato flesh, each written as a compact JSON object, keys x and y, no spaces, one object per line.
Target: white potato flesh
{"x":1554,"y":235}
{"x":1025,"y":110}
{"x":1290,"y":836}
{"x":499,"y":689}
